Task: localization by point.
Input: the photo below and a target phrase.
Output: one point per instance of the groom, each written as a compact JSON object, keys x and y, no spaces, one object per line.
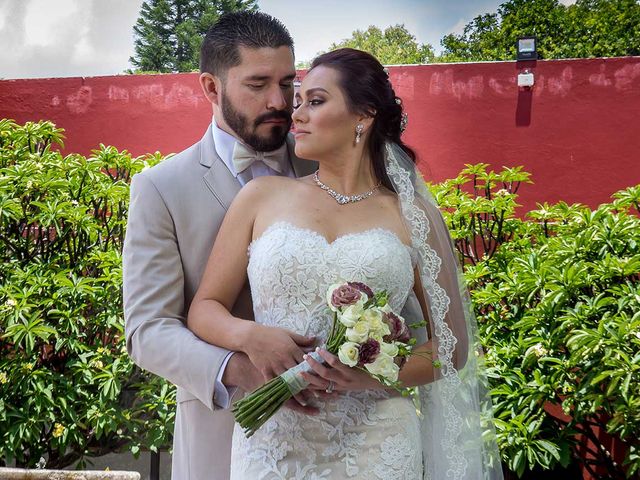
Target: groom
{"x":247,"y":72}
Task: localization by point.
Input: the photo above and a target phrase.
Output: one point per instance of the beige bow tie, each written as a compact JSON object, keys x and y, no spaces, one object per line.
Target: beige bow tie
{"x":243,"y":157}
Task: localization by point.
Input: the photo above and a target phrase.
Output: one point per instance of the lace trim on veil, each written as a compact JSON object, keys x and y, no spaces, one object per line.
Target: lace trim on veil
{"x":429,"y":268}
{"x":458,"y":436}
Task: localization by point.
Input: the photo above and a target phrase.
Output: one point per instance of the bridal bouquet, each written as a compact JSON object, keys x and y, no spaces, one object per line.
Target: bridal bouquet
{"x":365,"y":334}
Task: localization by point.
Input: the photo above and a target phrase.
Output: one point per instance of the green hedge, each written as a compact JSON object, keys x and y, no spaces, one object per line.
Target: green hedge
{"x":68,"y":390}
{"x":557,"y":299}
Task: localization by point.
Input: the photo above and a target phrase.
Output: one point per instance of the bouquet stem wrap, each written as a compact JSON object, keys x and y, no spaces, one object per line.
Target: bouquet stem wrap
{"x":294,"y":380}
{"x":256,"y":408}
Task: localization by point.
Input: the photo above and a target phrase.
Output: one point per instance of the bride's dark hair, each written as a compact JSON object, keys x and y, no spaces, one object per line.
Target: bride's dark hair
{"x":368,"y":91}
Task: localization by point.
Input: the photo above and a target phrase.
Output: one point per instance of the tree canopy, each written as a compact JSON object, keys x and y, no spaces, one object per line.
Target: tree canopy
{"x":588,"y":28}
{"x":394,"y":45}
{"x":168,"y":33}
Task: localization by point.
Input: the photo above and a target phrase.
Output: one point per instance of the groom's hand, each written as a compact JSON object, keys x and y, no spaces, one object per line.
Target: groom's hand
{"x":241,"y":373}
{"x":301,"y":403}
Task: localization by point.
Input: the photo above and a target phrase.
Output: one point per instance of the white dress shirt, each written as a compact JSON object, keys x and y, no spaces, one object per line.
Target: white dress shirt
{"x":224,"y":143}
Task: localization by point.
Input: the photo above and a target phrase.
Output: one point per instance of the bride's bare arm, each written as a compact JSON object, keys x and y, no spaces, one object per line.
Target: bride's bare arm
{"x":419,"y":369}
{"x":271,"y":350}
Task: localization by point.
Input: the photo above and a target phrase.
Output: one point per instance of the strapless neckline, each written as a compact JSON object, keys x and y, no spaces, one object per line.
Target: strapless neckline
{"x":287,"y":224}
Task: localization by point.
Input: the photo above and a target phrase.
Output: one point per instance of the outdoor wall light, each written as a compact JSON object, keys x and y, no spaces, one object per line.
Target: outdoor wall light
{"x":526,"y":79}
{"x":527,"y":49}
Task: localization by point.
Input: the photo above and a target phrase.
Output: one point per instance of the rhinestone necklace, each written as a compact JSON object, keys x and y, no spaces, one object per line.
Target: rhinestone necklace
{"x":344,"y":199}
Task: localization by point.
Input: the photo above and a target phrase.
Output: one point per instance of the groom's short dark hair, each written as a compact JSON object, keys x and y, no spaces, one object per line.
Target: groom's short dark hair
{"x":219,"y":50}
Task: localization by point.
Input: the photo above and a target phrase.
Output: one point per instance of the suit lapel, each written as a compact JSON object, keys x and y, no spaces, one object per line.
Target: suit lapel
{"x":219,"y":180}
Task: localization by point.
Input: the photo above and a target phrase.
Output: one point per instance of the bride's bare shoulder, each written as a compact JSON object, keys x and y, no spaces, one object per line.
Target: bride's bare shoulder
{"x":270,"y":181}
{"x":266,"y":188}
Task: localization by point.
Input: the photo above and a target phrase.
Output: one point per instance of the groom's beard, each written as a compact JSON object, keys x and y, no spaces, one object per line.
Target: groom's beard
{"x":247,"y":130}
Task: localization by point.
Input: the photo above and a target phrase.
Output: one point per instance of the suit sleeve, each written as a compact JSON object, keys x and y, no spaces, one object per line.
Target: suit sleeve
{"x":154,"y":305}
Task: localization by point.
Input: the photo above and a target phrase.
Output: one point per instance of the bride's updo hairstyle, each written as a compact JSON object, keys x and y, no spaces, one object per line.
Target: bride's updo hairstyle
{"x":368,"y":91}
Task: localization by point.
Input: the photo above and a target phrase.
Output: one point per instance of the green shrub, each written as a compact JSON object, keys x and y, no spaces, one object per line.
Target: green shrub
{"x":558,"y":306}
{"x":68,"y":390}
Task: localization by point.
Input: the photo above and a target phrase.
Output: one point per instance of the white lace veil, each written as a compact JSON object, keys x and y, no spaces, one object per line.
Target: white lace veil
{"x":457,"y":425}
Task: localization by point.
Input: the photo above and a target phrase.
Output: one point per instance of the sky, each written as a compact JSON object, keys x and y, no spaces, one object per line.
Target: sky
{"x":68,"y":38}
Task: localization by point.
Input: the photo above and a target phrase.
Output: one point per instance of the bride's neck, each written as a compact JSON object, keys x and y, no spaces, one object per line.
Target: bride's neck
{"x":349,"y":176}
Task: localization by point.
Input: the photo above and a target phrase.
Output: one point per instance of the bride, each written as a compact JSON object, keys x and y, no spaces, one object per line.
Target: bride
{"x":364,"y":216}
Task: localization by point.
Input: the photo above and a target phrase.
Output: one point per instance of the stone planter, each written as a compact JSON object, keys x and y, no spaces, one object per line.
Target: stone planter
{"x":21,"y":474}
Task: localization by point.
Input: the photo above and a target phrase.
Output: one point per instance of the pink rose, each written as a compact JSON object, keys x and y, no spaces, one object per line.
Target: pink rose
{"x":399,"y":330}
{"x":369,"y":351}
{"x":345,"y":295}
{"x":405,"y":334}
{"x":362,"y":287}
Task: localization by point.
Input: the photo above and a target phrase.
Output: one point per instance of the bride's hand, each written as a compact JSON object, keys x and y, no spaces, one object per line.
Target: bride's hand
{"x":344,"y":378}
{"x":274,"y":350}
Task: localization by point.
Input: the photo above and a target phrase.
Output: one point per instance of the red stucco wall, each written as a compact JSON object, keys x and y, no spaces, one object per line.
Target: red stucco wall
{"x":577,"y":131}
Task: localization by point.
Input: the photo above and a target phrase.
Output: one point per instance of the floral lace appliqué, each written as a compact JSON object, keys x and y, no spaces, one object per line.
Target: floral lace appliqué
{"x":359,"y":434}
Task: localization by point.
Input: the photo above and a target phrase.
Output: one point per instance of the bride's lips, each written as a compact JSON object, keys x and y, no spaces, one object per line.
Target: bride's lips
{"x":298,"y":133}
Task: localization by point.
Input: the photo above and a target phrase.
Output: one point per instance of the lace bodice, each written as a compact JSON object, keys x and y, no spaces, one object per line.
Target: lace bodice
{"x":365,"y":434}
{"x":291,"y":268}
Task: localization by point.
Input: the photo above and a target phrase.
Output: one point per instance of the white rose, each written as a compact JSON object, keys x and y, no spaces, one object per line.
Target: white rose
{"x":389,"y":349}
{"x":359,"y":333}
{"x":384,"y":366}
{"x":351,"y":314}
{"x":372,"y":315}
{"x":349,"y":353}
{"x":377,"y":326}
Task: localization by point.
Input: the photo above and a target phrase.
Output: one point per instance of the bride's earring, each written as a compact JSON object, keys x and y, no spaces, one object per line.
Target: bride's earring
{"x":359,"y":130}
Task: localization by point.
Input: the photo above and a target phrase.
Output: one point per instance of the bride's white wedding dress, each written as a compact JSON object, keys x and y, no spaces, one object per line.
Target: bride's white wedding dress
{"x":368,"y":434}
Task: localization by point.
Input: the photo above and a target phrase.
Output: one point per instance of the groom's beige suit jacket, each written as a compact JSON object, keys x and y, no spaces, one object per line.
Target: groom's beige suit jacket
{"x":175,"y":212}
